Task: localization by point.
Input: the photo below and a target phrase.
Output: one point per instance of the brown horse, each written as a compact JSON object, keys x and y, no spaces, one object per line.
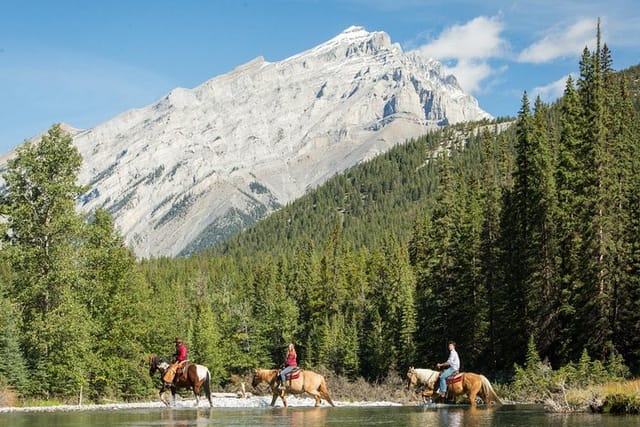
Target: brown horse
{"x":306,"y":382}
{"x":194,"y":377}
{"x":473,"y":385}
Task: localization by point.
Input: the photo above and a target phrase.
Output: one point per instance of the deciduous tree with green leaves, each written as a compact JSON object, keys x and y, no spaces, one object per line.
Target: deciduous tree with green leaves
{"x":45,"y":235}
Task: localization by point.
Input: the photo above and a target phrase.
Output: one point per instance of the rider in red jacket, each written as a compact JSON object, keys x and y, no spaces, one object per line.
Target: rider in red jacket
{"x":179,"y":357}
{"x":181,"y":351}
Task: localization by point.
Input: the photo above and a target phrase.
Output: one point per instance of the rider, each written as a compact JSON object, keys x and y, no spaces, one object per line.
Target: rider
{"x":179,"y":357}
{"x":452,"y":364}
{"x":289,"y":364}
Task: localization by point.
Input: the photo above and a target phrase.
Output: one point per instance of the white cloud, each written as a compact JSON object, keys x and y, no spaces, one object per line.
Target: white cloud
{"x":561,"y":42}
{"x":552,"y":91}
{"x":470,"y":74}
{"x":468,"y":46}
{"x":477,"y":39}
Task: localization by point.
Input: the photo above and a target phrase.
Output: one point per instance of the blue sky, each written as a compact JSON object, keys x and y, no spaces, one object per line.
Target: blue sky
{"x":83,"y":62}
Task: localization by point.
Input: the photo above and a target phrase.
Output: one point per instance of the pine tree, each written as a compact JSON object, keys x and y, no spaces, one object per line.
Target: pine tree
{"x":13,"y":370}
{"x":597,"y":214}
{"x":512,"y":326}
{"x":435,"y":277}
{"x":489,"y":250}
{"x":623,"y":131}
{"x":543,"y":294}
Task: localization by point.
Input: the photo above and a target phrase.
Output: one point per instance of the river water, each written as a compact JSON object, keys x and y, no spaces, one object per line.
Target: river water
{"x":346,"y":416}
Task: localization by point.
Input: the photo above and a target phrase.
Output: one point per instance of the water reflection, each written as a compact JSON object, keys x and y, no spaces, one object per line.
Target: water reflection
{"x":173,"y":417}
{"x":466,"y":417}
{"x":452,"y":417}
{"x":474,"y":417}
{"x":308,"y":417}
{"x":417,"y":416}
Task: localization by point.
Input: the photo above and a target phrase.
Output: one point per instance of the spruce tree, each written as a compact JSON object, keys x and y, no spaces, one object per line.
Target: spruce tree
{"x":543,"y":293}
{"x":511,"y":293}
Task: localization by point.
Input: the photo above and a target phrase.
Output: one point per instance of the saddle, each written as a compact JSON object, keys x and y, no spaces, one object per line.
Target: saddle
{"x":454,"y":378}
{"x":181,"y":368}
{"x":175,"y":372}
{"x":293,"y":374}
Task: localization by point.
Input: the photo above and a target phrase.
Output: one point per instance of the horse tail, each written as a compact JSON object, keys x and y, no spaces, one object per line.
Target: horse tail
{"x":324,"y":391}
{"x":488,"y":391}
{"x":207,"y":387}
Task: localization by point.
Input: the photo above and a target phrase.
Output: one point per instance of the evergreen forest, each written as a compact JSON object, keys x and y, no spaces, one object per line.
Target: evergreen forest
{"x":495,"y":235}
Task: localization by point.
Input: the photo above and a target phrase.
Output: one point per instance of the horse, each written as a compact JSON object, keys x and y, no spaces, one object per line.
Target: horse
{"x":473,"y":385}
{"x":194,"y":377}
{"x":418,"y":377}
{"x":304,"y":381}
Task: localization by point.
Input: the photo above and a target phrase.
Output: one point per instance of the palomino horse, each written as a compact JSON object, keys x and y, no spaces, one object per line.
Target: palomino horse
{"x":422,"y":377}
{"x":194,"y":377}
{"x":465,"y":383}
{"x":306,"y":382}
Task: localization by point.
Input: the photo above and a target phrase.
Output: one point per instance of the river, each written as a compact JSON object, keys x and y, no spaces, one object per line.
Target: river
{"x":341,"y":416}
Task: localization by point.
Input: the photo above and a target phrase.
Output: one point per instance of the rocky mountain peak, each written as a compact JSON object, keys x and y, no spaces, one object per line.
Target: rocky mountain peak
{"x":200,"y":164}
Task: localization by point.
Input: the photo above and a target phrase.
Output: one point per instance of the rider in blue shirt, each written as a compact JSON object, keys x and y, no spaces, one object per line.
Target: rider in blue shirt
{"x":452,"y":364}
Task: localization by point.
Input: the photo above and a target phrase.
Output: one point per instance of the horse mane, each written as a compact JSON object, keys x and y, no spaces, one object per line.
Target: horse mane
{"x":426,"y":376}
{"x":156,"y":357}
{"x":158,"y":361}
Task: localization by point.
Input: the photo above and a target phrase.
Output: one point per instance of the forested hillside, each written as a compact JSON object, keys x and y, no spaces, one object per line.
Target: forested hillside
{"x":486,"y":234}
{"x":632,"y":74}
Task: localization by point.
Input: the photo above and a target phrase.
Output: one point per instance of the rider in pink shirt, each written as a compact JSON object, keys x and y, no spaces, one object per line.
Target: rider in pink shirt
{"x":289,"y":364}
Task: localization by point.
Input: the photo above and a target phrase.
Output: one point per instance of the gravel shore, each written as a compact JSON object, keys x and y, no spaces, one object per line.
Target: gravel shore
{"x":220,"y":400}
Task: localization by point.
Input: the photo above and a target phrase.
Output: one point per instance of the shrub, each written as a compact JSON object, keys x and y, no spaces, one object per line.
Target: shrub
{"x":8,"y":396}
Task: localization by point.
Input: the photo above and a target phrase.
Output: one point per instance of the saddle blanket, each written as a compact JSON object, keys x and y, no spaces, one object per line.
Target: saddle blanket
{"x":455,"y":378}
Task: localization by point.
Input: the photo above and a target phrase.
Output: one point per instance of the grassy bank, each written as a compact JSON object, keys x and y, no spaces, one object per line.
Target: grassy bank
{"x":620,"y":397}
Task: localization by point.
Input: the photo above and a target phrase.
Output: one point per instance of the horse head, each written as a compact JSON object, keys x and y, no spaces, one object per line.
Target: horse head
{"x":412,"y":378}
{"x":256,"y":378}
{"x":156,"y":364}
{"x":266,"y":375}
{"x":153,"y":364}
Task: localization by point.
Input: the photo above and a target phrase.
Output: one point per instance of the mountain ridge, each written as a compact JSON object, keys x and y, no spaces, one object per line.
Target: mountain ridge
{"x":209,"y":161}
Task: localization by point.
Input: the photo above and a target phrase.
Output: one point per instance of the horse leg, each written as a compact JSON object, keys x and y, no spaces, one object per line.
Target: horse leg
{"x":324,"y":392}
{"x":163,"y":397}
{"x":472,"y":392}
{"x":196,"y":393}
{"x":472,"y":396}
{"x":207,"y":387}
{"x":316,"y":396}
{"x":275,"y":396}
